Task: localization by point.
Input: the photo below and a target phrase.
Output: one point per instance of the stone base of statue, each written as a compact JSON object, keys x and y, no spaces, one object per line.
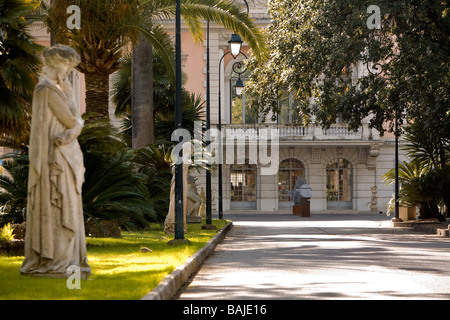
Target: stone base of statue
{"x":169,"y":225}
{"x":83,"y":275}
{"x":209,"y":227}
{"x":174,"y":242}
{"x":194,"y":219}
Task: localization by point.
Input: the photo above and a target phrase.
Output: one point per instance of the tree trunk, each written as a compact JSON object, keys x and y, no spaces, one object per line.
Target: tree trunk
{"x":424,"y":211}
{"x":446,"y":197}
{"x":142,"y":94}
{"x":97,"y":94}
{"x":435,"y":211}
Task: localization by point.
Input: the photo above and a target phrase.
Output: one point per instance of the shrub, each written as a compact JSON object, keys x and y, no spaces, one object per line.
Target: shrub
{"x":6,"y":233}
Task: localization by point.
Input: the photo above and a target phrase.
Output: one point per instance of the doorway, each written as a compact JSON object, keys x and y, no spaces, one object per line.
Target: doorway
{"x":339,"y":184}
{"x":289,"y":172}
{"x":243,"y":186}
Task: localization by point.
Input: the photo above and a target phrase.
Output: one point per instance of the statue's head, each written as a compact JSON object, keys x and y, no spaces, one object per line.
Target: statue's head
{"x":61,"y":58}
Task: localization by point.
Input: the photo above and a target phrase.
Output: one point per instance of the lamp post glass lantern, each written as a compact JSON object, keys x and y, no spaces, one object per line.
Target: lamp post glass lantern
{"x":239,"y":86}
{"x":235,"y":43}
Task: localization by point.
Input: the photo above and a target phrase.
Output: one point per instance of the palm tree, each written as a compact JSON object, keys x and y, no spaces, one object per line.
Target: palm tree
{"x":106,"y":27}
{"x":110,"y":25}
{"x":223,"y":12}
{"x":19,"y":63}
{"x":163,"y":101}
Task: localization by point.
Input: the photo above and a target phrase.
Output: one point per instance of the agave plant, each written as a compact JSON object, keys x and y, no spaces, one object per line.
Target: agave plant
{"x":13,"y":198}
{"x":431,"y":147}
{"x":192,"y":111}
{"x":418,"y":188}
{"x":155,"y":163}
{"x":113,"y":190}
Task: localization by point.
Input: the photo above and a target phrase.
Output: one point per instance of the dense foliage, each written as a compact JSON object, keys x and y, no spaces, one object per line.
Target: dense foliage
{"x":128,"y":186}
{"x":163,"y":99}
{"x":13,"y":188}
{"x":19,"y":63}
{"x":425,"y":179}
{"x":324,"y":52}
{"x":109,"y":26}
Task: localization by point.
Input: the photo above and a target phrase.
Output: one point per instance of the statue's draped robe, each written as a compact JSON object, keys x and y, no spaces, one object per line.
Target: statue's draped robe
{"x":55,"y":237}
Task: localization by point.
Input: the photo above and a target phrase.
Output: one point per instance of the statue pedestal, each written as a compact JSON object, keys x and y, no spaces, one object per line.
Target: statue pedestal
{"x":209,"y":227}
{"x":302,"y":209}
{"x":194,"y":219}
{"x":178,"y":241}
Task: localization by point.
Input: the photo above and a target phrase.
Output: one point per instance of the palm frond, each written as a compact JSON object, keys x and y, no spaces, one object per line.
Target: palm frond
{"x":19,"y":64}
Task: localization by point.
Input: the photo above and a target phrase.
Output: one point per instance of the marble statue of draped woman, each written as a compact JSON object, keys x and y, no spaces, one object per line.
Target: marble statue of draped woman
{"x":55,"y":236}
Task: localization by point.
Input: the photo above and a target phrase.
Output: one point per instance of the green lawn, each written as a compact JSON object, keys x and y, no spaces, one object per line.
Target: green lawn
{"x":119,"y":269}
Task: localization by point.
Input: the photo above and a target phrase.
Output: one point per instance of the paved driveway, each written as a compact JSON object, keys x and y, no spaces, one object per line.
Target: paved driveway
{"x":323,"y":257}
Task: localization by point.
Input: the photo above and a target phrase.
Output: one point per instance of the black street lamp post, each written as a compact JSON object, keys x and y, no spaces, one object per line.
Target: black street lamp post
{"x":397,"y":207}
{"x":377,"y":69}
{"x":235,"y":46}
{"x":179,"y":223}
{"x":235,"y":50}
{"x":179,"y":205}
{"x":208,"y":224}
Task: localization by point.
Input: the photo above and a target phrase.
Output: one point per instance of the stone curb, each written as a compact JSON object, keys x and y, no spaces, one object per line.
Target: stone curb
{"x":170,"y":285}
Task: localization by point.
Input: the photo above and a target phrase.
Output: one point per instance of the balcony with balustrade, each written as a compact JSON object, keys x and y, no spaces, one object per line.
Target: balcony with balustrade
{"x":289,"y":134}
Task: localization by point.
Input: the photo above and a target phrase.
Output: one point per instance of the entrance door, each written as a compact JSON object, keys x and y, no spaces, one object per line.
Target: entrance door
{"x":290,"y":170}
{"x":243,"y":186}
{"x":339,"y":184}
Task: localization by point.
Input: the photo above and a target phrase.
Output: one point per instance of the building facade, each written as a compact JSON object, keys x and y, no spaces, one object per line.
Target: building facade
{"x":343,"y":168}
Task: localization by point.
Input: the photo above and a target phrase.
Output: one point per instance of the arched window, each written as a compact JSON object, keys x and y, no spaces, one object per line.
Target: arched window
{"x":240,"y":109}
{"x":339,"y":184}
{"x":289,"y":172}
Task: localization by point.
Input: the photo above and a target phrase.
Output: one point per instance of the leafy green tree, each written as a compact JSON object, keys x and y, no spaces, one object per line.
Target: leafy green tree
{"x":19,"y":63}
{"x":323,"y":52}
